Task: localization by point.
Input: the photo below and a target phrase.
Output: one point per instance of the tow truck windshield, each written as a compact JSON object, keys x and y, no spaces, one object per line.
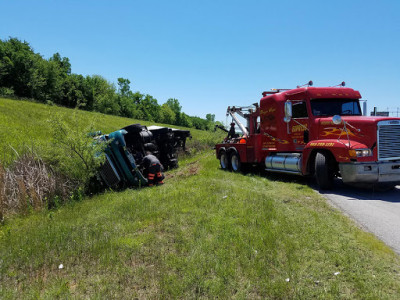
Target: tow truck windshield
{"x":335,"y":106}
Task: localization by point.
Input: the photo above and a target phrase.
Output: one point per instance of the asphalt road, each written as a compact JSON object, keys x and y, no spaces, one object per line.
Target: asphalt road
{"x":376,"y":212}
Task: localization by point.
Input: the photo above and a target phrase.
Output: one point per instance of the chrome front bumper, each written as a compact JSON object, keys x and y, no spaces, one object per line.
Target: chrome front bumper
{"x":371,"y":172}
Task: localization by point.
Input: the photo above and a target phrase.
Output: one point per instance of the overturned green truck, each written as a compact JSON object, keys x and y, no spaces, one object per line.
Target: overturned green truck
{"x":127,"y":147}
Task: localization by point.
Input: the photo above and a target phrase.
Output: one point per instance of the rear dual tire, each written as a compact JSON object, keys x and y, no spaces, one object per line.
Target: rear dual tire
{"x":230,"y":162}
{"x":236,"y":165}
{"x":224,"y":161}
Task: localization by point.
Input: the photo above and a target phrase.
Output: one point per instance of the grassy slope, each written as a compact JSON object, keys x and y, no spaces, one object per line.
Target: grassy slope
{"x":24,"y":123}
{"x":205,"y":233}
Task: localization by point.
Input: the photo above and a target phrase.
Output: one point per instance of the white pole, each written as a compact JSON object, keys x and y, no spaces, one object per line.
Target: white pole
{"x":365,"y":108}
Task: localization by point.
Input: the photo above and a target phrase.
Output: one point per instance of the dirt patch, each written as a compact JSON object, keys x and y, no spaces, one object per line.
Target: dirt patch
{"x":189,"y":170}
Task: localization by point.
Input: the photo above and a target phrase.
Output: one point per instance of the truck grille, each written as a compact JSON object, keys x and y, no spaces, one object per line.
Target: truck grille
{"x":389,"y":140}
{"x":108,"y":173}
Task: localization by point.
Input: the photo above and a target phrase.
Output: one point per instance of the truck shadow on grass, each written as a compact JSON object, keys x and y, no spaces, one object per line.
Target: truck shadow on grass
{"x":281,"y":177}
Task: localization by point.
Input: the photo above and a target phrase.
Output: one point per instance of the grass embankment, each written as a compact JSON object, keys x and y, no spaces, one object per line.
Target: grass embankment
{"x":206,"y":233}
{"x":24,"y":123}
{"x":49,"y":157}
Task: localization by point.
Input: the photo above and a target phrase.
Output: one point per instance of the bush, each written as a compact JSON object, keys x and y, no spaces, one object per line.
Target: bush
{"x":6,"y":92}
{"x":73,"y":150}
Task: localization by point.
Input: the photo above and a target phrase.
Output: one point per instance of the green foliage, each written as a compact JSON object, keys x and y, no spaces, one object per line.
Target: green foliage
{"x":124,"y":88}
{"x":210,"y":118}
{"x":6,"y":92}
{"x":150,"y":108}
{"x":184,"y":120}
{"x":103,"y":95}
{"x":73,"y":150}
{"x":167,"y":115}
{"x":174,"y":105}
{"x":27,"y":74}
{"x":62,"y":62}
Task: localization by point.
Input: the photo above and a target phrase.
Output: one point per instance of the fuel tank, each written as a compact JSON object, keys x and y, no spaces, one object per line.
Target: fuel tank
{"x":284,"y":162}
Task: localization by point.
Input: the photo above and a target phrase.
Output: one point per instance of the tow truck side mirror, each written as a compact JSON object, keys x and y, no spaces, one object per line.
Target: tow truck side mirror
{"x":288,"y":111}
{"x":336,"y":119}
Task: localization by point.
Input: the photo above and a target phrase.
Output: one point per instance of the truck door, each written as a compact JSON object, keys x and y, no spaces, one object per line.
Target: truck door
{"x":299,"y":125}
{"x":253,"y":144}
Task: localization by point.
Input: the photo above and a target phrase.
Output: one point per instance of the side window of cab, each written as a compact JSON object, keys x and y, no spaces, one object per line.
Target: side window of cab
{"x":299,"y":109}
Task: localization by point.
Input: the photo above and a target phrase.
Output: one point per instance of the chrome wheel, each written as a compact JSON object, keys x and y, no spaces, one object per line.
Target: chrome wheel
{"x":223,"y":159}
{"x":235,"y":162}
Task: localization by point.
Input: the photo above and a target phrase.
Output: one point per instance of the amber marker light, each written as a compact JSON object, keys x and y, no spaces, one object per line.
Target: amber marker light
{"x":352,"y":153}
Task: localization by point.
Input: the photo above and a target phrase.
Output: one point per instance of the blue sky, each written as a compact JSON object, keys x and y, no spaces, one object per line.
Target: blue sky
{"x":211,"y":54}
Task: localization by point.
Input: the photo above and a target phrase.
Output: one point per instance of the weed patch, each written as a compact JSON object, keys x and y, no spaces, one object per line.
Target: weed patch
{"x":30,"y":183}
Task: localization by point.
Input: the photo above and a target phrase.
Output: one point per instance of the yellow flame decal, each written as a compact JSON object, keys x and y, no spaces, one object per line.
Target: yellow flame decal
{"x":329,"y":131}
{"x":284,"y":142}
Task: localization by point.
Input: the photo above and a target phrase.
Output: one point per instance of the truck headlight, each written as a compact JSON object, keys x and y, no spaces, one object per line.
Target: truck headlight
{"x":360,"y":152}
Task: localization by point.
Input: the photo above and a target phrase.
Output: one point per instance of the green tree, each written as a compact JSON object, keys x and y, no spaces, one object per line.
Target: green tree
{"x":150,"y":108}
{"x":210,"y":118}
{"x":73,"y":91}
{"x":17,"y":66}
{"x":39,"y":80}
{"x":167,"y":115}
{"x":199,"y":123}
{"x":25,"y":73}
{"x":104,"y":96}
{"x":174,"y":105}
{"x":108,"y":104}
{"x":185,"y":120}
{"x":62,"y":62}
{"x":29,"y":74}
{"x":124,"y":88}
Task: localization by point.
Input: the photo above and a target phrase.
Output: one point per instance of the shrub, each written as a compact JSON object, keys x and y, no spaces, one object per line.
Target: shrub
{"x":6,"y":92}
{"x":73,"y":150}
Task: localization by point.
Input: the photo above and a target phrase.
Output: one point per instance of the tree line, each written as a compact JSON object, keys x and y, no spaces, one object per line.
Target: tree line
{"x":26,"y":74}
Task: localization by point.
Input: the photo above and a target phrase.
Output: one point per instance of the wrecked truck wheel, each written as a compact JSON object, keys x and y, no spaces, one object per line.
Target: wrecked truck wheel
{"x":235,"y":162}
{"x":323,"y":171}
{"x":223,"y":160}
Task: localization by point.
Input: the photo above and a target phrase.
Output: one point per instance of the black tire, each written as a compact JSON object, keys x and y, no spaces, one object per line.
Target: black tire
{"x":323,"y":171}
{"x":236,"y":165}
{"x":223,"y":160}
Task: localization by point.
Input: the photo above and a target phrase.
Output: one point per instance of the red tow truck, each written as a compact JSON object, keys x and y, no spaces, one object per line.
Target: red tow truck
{"x":314,"y":131}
